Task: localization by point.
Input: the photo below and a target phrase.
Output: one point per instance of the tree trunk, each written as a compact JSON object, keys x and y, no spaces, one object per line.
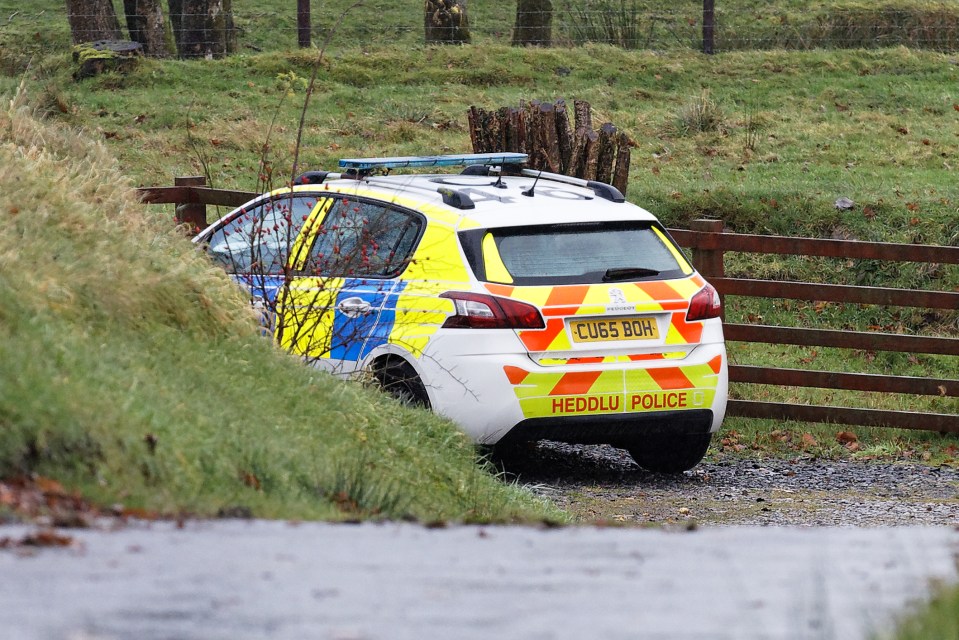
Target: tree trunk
{"x":148,"y":27}
{"x":203,"y":28}
{"x":176,"y":20}
{"x":446,"y":22}
{"x":92,"y":20}
{"x":534,"y":23}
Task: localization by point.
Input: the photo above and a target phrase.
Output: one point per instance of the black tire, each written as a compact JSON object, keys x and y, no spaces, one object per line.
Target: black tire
{"x":670,"y":453}
{"x":398,"y":379}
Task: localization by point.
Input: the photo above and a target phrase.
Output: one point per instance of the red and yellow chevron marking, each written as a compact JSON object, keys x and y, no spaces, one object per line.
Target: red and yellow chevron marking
{"x":560,"y":302}
{"x":545,"y":394}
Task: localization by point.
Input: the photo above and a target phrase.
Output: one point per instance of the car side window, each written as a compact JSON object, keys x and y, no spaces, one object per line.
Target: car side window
{"x":258,"y":240}
{"x":364,"y":239}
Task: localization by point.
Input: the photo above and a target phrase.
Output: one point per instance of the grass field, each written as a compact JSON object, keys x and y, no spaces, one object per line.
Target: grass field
{"x":789,"y":133}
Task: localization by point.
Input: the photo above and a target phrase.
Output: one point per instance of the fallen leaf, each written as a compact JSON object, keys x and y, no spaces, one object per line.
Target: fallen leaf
{"x":808,"y":440}
{"x":852,"y":447}
{"x":46,"y":538}
{"x":250,"y":480}
{"x":845,"y":437}
{"x":49,"y":487}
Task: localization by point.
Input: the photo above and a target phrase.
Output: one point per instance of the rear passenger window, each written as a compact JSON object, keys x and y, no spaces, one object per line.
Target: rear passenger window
{"x":259,"y":240}
{"x":364,"y":239}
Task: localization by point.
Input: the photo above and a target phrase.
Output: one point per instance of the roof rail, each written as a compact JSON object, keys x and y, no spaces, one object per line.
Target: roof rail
{"x":601,"y":189}
{"x":456,"y":199}
{"x":312,"y":177}
{"x":365,"y":165}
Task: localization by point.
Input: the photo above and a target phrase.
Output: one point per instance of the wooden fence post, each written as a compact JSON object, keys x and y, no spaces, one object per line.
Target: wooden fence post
{"x":190,"y":212}
{"x":708,"y":262}
{"x":303,"y":23}
{"x":709,"y":26}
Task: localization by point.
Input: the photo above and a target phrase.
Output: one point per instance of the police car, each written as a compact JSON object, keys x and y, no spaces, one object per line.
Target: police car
{"x":521,"y":304}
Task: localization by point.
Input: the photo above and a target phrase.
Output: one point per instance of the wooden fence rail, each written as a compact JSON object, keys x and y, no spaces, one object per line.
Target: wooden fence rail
{"x":709,"y":243}
{"x":191,"y":196}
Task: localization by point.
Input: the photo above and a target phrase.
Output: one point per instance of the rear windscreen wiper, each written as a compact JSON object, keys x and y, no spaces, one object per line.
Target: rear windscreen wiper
{"x":628,"y":273}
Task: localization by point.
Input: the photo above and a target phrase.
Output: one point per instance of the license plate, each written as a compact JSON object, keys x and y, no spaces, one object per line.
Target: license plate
{"x":614,"y":329}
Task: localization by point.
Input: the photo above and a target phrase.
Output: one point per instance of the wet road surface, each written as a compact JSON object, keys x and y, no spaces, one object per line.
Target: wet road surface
{"x":265,"y":579}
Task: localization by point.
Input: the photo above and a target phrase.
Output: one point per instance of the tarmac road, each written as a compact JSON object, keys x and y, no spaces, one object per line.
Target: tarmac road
{"x":265,"y":579}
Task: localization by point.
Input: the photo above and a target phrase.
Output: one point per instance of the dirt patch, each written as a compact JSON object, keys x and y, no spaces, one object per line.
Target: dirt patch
{"x":604,"y":484}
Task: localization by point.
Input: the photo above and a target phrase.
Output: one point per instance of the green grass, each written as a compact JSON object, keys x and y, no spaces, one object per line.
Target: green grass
{"x":789,"y":133}
{"x":132,"y":370}
{"x":936,"y":621}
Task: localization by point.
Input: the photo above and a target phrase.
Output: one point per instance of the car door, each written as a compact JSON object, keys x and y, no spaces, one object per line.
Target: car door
{"x":341,"y":304}
{"x":253,"y":243}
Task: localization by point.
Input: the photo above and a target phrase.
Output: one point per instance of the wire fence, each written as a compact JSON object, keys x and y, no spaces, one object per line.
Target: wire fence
{"x":631,"y":24}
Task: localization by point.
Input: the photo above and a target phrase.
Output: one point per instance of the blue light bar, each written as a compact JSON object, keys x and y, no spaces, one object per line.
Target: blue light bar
{"x":365,"y":164}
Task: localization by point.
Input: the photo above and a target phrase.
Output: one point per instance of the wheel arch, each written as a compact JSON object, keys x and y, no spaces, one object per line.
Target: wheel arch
{"x":391,"y":355}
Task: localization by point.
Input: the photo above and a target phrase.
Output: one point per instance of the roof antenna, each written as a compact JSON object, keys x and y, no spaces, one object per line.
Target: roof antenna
{"x":499,"y":180}
{"x":529,"y":192}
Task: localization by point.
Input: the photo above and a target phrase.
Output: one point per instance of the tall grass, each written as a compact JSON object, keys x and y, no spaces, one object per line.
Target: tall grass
{"x":132,"y":369}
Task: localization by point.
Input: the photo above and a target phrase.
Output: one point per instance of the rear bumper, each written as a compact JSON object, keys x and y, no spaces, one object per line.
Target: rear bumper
{"x":493,"y":394}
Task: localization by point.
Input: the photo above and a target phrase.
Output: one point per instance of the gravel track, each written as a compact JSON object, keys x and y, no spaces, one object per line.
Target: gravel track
{"x":603,"y":483}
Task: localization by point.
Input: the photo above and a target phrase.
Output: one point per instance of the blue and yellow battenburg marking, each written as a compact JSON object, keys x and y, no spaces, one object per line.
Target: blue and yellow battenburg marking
{"x":405,"y":311}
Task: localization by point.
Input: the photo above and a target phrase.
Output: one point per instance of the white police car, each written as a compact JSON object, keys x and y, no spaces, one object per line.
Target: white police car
{"x":521,"y":304}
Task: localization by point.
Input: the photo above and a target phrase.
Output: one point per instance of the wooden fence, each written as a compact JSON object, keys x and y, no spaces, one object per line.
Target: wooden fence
{"x":709,"y":242}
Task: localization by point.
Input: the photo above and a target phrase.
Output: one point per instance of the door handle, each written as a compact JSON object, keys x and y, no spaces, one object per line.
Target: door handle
{"x":354,"y":307}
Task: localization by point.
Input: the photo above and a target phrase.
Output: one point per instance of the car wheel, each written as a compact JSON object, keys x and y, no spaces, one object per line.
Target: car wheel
{"x":670,"y":453}
{"x":400,"y":381}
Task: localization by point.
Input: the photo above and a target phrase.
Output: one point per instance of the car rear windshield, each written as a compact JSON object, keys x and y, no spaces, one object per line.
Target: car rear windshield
{"x":581,"y":253}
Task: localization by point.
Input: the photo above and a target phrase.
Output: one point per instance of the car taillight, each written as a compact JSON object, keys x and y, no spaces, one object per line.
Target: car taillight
{"x":481,"y":311}
{"x":704,"y":305}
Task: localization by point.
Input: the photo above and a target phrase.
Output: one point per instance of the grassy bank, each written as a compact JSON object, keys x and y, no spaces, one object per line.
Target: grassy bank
{"x":132,"y":370}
